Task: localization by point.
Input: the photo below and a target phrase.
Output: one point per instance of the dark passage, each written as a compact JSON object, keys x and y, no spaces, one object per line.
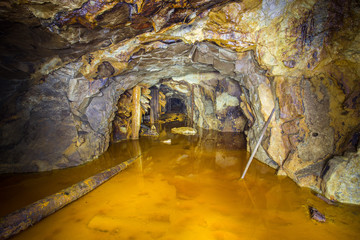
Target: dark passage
{"x":175,"y":105}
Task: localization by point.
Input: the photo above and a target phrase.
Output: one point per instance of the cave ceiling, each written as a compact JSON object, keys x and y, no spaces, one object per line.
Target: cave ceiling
{"x":40,"y":36}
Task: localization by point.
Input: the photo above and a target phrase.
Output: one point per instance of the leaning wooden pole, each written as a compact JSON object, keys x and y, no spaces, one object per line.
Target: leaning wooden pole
{"x":33,"y":213}
{"x":136,"y":112}
{"x":258,"y":144}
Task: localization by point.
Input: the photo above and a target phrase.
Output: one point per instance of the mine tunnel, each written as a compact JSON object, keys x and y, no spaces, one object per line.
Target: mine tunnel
{"x":175,"y":105}
{"x":176,"y":119}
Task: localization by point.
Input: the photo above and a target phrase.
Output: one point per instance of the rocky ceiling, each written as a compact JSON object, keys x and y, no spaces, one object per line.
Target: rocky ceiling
{"x":64,"y":65}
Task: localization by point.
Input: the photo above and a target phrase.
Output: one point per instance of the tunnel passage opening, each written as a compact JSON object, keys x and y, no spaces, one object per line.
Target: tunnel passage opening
{"x":175,"y":105}
{"x":216,"y":107}
{"x":212,"y":87}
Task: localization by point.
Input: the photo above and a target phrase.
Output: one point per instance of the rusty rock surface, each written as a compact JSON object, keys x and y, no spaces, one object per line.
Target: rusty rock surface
{"x":342,"y":179}
{"x":65,"y":65}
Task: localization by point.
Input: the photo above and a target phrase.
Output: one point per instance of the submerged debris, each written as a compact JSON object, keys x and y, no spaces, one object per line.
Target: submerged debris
{"x":328,"y":201}
{"x":316,"y":215}
{"x":168,"y":141}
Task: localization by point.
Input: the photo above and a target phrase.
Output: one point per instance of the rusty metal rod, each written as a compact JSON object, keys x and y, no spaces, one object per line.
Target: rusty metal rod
{"x":23,"y":218}
{"x":258,"y":144}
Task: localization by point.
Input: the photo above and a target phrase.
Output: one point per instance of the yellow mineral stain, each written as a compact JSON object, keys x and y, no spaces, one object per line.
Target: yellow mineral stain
{"x":171,"y":117}
{"x":189,"y":189}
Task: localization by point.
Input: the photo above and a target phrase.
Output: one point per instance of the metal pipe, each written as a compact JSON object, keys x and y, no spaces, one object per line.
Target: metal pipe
{"x":258,"y":144}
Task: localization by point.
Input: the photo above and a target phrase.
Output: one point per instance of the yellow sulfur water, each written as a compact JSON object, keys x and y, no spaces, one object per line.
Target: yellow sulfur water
{"x":189,"y":189}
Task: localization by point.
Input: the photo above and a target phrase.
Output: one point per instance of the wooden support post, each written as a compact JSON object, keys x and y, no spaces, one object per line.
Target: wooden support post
{"x":192,"y":105}
{"x":154,"y":106}
{"x":136,"y":112}
{"x":33,"y":213}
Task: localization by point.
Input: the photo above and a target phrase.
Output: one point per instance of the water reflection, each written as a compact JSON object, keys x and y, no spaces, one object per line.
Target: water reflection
{"x":19,"y":190}
{"x":189,"y":190}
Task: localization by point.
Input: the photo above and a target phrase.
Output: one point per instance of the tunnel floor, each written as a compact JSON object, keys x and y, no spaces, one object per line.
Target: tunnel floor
{"x":185,"y":190}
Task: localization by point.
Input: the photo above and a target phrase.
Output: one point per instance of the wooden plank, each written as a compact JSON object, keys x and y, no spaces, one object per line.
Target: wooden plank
{"x":154,"y":106}
{"x":136,"y":112}
{"x":33,"y":213}
{"x":192,"y":105}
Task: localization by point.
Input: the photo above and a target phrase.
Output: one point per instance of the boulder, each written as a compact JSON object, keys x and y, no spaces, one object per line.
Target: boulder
{"x":341,"y":182}
{"x":184,"y":131}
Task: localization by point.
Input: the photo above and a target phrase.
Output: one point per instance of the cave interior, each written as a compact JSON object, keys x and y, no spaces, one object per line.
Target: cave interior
{"x":79,"y":77}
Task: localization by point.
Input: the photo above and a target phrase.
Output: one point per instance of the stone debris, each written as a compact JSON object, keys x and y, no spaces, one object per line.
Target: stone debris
{"x":168,"y":141}
{"x":316,"y":215}
{"x":184,"y":131}
{"x":184,"y":156}
{"x":149,"y":132}
{"x":225,"y":161}
{"x":281,"y":172}
{"x":341,"y":179}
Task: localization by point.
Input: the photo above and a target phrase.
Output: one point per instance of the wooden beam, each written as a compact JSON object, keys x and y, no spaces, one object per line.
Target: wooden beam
{"x":192,"y":105}
{"x":33,"y":213}
{"x":154,"y":106}
{"x":136,"y":112}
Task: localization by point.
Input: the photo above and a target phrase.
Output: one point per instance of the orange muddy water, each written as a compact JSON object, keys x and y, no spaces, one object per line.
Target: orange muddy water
{"x":188,"y":189}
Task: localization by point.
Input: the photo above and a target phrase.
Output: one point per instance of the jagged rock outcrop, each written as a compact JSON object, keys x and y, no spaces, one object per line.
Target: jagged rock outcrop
{"x":341,"y":178}
{"x":238,"y":59}
{"x":55,"y":127}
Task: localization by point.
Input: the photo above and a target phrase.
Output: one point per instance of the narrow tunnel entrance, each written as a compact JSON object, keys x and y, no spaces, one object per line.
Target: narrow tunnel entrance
{"x":219,"y":106}
{"x":175,"y":105}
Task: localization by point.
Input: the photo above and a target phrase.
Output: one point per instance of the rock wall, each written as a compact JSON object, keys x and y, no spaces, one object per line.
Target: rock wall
{"x":341,"y":178}
{"x":64,"y":121}
{"x":299,"y":57}
{"x":216,"y":103}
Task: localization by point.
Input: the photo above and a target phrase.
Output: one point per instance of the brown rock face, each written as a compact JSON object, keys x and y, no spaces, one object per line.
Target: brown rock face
{"x":65,"y":64}
{"x":341,"y":178}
